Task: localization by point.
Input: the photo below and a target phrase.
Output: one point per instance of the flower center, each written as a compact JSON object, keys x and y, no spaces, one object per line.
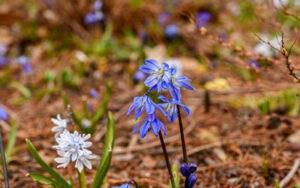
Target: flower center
{"x":161,"y":71}
{"x":76,"y":139}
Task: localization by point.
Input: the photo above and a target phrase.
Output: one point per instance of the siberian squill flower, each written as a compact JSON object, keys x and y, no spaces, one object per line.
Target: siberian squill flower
{"x":150,"y":122}
{"x":171,"y":31}
{"x":25,"y":62}
{"x":96,"y":15}
{"x":159,"y":75}
{"x":253,"y":64}
{"x":170,"y":106}
{"x":3,"y":61}
{"x":94,"y":93}
{"x":141,"y":104}
{"x":187,"y":171}
{"x":203,"y":18}
{"x":73,"y":147}
{"x":83,"y":160}
{"x":3,"y":114}
{"x":61,"y":124}
{"x":178,"y":81}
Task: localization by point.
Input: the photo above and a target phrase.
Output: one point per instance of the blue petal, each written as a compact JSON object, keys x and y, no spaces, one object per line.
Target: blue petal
{"x":187,"y":86}
{"x":144,"y":129}
{"x":138,"y":113}
{"x":173,"y":71}
{"x":152,"y":63}
{"x":151,"y":81}
{"x":132,"y":107}
{"x":164,"y":129}
{"x":137,"y":125}
{"x":158,"y":107}
{"x":3,"y":114}
{"x":175,"y":92}
{"x":159,"y":88}
{"x":149,"y":107}
{"x":184,"y":169}
{"x":153,"y":88}
{"x":193,"y":168}
{"x":163,"y":98}
{"x":145,"y":69}
{"x":183,"y":78}
{"x":155,"y":126}
{"x":165,"y":66}
{"x":192,"y":180}
{"x":186,"y":109}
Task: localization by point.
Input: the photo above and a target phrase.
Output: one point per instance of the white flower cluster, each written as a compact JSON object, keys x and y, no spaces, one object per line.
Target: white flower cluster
{"x":71,"y":146}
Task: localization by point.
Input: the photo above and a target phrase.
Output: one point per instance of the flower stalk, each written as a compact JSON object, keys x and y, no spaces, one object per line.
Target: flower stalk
{"x":81,"y":178}
{"x":4,"y":166}
{"x":184,"y":153}
{"x":163,"y":145}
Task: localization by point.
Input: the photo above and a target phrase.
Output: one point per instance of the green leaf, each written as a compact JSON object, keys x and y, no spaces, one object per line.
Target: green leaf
{"x":21,"y":88}
{"x":107,"y":153}
{"x":102,"y":107}
{"x":12,"y":139}
{"x":102,"y":45}
{"x":176,"y":176}
{"x":60,"y":180}
{"x":43,"y":179}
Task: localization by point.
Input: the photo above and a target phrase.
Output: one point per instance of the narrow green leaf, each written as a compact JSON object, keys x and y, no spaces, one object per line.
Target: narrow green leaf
{"x":40,"y":178}
{"x":60,"y":180}
{"x":21,"y":88}
{"x":107,"y":153}
{"x":176,"y":176}
{"x":12,"y":139}
{"x":102,"y":107}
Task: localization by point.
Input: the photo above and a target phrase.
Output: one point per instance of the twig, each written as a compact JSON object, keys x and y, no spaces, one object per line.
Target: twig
{"x":291,"y":173}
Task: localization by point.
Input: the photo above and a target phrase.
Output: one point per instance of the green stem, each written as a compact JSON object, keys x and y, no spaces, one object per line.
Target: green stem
{"x":81,"y":178}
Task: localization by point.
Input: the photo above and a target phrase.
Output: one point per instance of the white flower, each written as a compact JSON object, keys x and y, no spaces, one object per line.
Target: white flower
{"x":83,"y":159}
{"x":63,"y":160}
{"x":72,"y":147}
{"x":61,"y":124}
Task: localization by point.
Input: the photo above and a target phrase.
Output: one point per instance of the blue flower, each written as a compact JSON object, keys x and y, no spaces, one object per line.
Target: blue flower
{"x":171,"y":31}
{"x":178,"y":81}
{"x":143,"y":103}
{"x":25,"y":62}
{"x":187,"y":171}
{"x":203,"y":18}
{"x":3,"y":114}
{"x":94,"y":93}
{"x":98,"y":5}
{"x":253,"y":64}
{"x":139,"y":76}
{"x":3,"y":61}
{"x":125,"y":185}
{"x":159,"y":75}
{"x":90,"y":18}
{"x":150,"y":122}
{"x":171,"y":107}
{"x":222,"y":36}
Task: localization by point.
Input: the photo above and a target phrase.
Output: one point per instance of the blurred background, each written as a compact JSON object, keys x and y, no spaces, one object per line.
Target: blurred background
{"x":244,"y":127}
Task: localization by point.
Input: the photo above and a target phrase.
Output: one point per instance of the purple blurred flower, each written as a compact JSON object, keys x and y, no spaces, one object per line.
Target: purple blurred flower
{"x":3,"y":61}
{"x":163,"y":18}
{"x":27,"y":68}
{"x":22,"y":60}
{"x":139,"y":76}
{"x":90,"y":18}
{"x":143,"y":35}
{"x":98,"y":5}
{"x":3,"y":49}
{"x":222,"y":36}
{"x":94,"y":93}
{"x":203,"y":18}
{"x":3,"y":114}
{"x":171,"y":31}
{"x":253,"y":64}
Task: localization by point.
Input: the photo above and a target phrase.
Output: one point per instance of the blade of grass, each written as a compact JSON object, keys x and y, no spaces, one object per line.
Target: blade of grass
{"x":46,"y":167}
{"x":107,"y":153}
{"x":102,"y":107}
{"x":43,"y":179}
{"x":12,"y":139}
